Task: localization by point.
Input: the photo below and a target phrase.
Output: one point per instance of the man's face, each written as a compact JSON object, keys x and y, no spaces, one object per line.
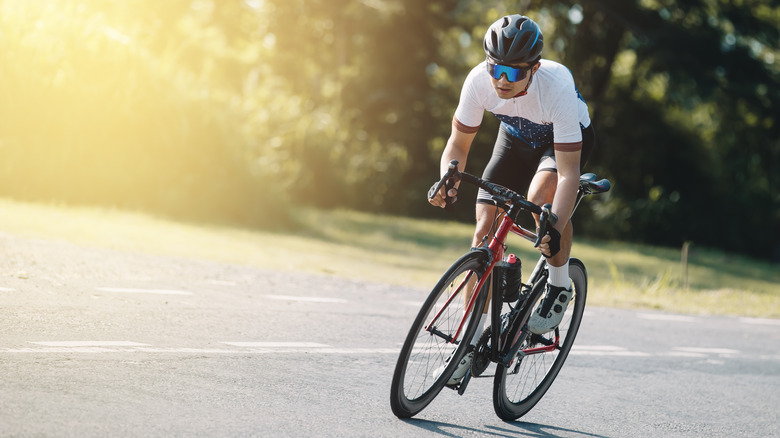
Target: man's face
{"x":506,"y":89}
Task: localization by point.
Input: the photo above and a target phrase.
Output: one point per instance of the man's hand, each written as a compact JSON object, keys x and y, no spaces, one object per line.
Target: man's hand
{"x":551,"y":243}
{"x":440,"y":199}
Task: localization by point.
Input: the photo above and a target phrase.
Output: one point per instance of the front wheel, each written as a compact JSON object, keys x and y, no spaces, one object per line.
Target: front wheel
{"x":435,"y":343}
{"x":517,"y":388}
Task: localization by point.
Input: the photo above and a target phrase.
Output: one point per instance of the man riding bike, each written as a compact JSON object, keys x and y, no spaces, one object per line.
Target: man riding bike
{"x":544,"y":139}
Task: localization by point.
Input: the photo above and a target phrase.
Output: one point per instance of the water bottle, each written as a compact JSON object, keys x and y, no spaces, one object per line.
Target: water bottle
{"x":510,"y":277}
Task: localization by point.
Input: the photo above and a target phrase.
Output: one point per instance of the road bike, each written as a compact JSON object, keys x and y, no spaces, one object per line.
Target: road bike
{"x":526,"y":363}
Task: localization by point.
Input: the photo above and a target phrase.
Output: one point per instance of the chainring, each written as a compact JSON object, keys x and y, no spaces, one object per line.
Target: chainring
{"x":481,"y":354}
{"x":481,"y":359}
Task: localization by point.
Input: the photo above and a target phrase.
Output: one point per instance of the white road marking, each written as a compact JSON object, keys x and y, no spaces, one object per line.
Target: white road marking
{"x":134,"y":347}
{"x":222,"y":282}
{"x":143,"y":291}
{"x":666,"y":317}
{"x":277,"y":344}
{"x":187,"y":350}
{"x":306,"y":299}
{"x":599,"y":347}
{"x":685,"y":354}
{"x":699,"y":350}
{"x":90,"y":344}
{"x":6,"y":289}
{"x":393,"y":351}
{"x":62,"y":350}
{"x":761,"y":321}
{"x":604,"y":350}
{"x":285,"y":347}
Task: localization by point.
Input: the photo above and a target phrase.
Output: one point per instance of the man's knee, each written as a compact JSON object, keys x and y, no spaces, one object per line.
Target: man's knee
{"x":543,"y":186}
{"x":485,"y":215}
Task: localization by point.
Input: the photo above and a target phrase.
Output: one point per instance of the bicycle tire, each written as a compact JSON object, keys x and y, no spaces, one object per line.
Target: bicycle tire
{"x":418,"y":377}
{"x":517,"y":389}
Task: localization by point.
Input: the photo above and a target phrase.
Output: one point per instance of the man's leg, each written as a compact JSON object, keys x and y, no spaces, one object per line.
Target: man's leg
{"x":486,"y":214}
{"x":558,"y":294}
{"x":542,"y":191}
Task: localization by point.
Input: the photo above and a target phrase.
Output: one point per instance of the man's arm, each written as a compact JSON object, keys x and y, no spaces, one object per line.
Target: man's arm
{"x":458,"y":146}
{"x":567,"y":158}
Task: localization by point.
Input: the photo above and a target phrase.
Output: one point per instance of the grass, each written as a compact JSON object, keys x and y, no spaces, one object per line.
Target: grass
{"x":411,"y":252}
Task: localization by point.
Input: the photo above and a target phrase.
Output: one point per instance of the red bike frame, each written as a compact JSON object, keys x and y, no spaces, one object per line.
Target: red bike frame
{"x":496,"y":248}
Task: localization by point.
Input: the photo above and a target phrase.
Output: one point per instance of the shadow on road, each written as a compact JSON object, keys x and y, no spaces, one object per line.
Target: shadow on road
{"x":510,"y":429}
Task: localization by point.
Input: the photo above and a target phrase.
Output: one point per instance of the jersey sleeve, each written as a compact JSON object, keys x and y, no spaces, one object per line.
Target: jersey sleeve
{"x":565,"y":112}
{"x":468,"y":114}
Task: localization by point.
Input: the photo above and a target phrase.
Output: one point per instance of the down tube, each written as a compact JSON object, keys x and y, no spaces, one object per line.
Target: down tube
{"x":447,"y":304}
{"x":473,"y":299}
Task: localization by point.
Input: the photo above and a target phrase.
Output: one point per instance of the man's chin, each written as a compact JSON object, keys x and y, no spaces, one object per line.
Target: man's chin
{"x":505,"y":94}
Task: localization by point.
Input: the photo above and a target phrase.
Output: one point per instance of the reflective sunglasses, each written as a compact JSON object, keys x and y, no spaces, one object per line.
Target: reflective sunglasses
{"x":512,"y":74}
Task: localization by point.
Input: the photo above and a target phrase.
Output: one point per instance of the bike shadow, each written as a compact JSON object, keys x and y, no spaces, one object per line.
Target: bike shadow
{"x":509,"y":429}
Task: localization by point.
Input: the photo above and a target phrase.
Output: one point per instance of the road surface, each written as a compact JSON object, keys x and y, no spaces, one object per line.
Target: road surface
{"x":96,"y":343}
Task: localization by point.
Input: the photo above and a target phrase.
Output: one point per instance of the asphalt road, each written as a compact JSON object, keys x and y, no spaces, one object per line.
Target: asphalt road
{"x":97,"y":343}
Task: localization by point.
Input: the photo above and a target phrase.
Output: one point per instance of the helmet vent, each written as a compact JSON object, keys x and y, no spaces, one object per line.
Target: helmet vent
{"x":523,"y":40}
{"x":513,"y":39}
{"x":507,"y":46}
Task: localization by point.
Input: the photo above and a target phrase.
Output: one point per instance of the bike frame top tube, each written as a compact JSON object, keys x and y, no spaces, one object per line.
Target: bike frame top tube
{"x":524,"y":233}
{"x":497,"y":245}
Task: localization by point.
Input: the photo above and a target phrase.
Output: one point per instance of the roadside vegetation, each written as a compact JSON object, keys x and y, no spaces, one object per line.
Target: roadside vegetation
{"x":411,"y":252}
{"x":232,"y":111}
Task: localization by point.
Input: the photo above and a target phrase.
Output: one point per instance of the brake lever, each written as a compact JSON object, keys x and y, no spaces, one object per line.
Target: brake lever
{"x":546,"y":218}
{"x":448,"y":200}
{"x":448,"y":181}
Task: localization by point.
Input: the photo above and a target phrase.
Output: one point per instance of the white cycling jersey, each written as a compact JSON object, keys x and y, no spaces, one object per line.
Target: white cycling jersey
{"x":552,"y":111}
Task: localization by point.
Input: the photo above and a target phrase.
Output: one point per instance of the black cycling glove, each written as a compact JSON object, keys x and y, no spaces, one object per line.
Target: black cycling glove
{"x":554,"y":243}
{"x":447,"y":198}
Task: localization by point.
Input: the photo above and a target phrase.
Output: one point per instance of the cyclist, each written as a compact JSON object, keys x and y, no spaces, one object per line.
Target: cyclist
{"x":544,"y":139}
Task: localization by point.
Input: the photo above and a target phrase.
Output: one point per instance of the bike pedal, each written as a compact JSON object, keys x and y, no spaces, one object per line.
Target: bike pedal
{"x":464,"y":383}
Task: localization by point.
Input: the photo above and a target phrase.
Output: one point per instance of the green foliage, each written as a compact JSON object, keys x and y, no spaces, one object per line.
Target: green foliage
{"x":231,"y":111}
{"x":93,"y":113}
{"x":682,"y":100}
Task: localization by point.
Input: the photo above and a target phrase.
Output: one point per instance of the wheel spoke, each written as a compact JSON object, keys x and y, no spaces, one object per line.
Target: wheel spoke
{"x":435,"y":339}
{"x":518,"y":388}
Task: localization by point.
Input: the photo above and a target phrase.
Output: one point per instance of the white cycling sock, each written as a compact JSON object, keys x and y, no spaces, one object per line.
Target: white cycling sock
{"x":559,"y":275}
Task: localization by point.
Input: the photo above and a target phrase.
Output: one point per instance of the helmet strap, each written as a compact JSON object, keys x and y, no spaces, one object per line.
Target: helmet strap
{"x":524,"y":92}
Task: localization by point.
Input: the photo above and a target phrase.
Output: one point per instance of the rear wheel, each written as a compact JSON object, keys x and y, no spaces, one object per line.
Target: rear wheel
{"x":517,"y":388}
{"x":435,"y":343}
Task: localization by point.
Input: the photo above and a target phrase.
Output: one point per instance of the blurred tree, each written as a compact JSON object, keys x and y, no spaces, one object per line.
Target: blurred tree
{"x":229,"y":110}
{"x":706,"y":71}
{"x":357,"y":69}
{"x":101,"y":105}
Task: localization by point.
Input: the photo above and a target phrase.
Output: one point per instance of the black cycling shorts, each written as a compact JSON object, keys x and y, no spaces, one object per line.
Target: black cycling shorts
{"x":514,"y":163}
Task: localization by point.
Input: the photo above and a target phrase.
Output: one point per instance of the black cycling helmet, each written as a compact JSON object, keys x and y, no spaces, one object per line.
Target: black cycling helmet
{"x":514,"y":39}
